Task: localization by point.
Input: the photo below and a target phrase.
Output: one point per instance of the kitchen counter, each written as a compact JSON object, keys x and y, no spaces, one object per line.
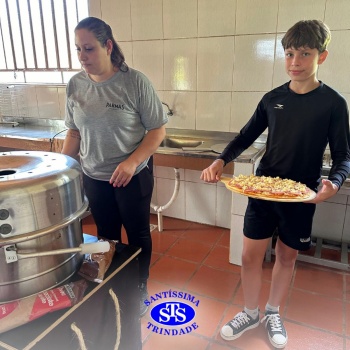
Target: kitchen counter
{"x":170,"y":154}
{"x":32,"y":137}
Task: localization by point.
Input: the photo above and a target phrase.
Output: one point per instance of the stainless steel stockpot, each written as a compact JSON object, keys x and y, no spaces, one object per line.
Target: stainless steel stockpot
{"x":41,"y":203}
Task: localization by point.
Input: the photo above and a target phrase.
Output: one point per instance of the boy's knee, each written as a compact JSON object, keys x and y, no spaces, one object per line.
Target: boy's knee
{"x":286,"y":260}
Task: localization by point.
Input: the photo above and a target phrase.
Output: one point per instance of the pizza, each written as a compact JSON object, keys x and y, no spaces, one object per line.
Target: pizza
{"x":266,"y":187}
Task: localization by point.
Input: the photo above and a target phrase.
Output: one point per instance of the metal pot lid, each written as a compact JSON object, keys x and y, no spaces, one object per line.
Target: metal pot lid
{"x":25,"y":165}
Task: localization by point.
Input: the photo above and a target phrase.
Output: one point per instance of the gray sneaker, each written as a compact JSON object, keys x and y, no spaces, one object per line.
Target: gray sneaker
{"x":238,"y":325}
{"x":143,"y":297}
{"x":275,"y":329}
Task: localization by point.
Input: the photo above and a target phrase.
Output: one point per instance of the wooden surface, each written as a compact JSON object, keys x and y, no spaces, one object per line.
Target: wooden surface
{"x":95,"y":315}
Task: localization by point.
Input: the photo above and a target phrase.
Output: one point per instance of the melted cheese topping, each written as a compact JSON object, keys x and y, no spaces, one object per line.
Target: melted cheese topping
{"x":269,"y":186}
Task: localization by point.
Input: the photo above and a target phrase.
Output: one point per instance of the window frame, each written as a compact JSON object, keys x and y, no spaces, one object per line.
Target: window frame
{"x":17,"y":73}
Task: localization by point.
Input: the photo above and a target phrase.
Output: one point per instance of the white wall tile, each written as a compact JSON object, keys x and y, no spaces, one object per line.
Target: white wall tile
{"x":94,"y":8}
{"x":200,"y":202}
{"x":337,"y":14}
{"x":329,"y":221}
{"x":32,"y":103}
{"x":290,"y":12}
{"x":180,"y":18}
{"x":239,"y":204}
{"x":148,"y":58}
{"x":62,"y":101}
{"x":183,"y":105}
{"x":146,"y":19}
{"x":180,"y":64}
{"x":213,"y":111}
{"x":236,"y":239}
{"x":223,"y":207}
{"x":256,"y":16}
{"x":346,"y":233}
{"x":48,"y":103}
{"x":169,"y":173}
{"x":154,"y":200}
{"x":165,"y":189}
{"x":243,"y":169}
{"x":279,"y":72}
{"x":254,"y":58}
{"x":214,"y":20}
{"x":242,"y":108}
{"x":338,"y":58}
{"x":215,"y":63}
{"x":126,"y":47}
{"x":117,"y":14}
{"x":193,"y":176}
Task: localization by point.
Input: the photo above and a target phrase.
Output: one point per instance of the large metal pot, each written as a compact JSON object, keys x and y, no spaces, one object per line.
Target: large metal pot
{"x":41,"y":202}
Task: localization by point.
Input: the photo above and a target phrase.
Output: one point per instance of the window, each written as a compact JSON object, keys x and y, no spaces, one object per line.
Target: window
{"x":37,"y":40}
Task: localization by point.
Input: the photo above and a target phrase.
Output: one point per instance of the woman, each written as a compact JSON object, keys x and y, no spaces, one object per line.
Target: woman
{"x":116,"y":122}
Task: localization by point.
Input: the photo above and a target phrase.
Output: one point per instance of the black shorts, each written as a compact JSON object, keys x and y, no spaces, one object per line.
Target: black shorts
{"x":293,"y":222}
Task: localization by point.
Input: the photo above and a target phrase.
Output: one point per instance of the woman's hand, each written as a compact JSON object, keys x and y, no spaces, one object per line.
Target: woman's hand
{"x":213,"y":172}
{"x":126,"y":170}
{"x":327,"y":190}
{"x":123,"y":173}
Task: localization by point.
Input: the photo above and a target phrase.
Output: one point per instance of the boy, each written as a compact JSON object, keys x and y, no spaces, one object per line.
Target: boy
{"x":302,"y":116}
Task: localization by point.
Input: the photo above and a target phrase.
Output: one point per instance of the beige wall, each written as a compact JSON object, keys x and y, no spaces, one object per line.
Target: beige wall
{"x":212,"y":60}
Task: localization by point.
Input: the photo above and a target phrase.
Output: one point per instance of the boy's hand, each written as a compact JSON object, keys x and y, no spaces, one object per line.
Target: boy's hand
{"x":213,"y":172}
{"x":327,"y":190}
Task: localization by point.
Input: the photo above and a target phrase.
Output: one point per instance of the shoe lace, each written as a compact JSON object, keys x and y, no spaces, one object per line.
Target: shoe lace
{"x":274,"y":321}
{"x":240,"y":320}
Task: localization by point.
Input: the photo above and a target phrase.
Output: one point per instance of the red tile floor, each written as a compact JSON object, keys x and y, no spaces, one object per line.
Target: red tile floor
{"x":194,"y":258}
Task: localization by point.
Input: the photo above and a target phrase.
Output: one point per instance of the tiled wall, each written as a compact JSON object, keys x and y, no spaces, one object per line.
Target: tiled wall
{"x":211,"y":61}
{"x":30,"y":101}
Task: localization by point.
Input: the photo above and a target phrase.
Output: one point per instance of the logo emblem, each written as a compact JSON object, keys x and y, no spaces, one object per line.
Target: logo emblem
{"x":173,"y":313}
{"x":305,"y":240}
{"x":173,"y":316}
{"x":278,"y":106}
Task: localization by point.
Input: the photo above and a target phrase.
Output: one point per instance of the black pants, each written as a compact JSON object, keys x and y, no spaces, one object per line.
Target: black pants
{"x":112,"y":207}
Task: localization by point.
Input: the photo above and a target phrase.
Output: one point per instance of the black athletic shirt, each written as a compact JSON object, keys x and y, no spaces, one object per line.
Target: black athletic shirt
{"x":299,"y":128}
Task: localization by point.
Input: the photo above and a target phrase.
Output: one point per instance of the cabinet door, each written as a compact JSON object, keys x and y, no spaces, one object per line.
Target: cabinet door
{"x":329,"y":221}
{"x":346,"y":232}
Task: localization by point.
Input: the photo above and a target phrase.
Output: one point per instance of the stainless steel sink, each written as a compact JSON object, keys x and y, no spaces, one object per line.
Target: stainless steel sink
{"x":200,"y":143}
{"x":178,"y":142}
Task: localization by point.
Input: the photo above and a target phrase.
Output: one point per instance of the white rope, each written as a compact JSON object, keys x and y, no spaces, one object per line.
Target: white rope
{"x":80,"y":336}
{"x":117,"y":318}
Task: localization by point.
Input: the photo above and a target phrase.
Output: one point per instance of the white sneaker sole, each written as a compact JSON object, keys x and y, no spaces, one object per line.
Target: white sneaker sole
{"x":233,"y":337}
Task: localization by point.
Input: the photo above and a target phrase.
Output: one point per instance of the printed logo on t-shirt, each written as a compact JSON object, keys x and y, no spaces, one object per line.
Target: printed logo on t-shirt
{"x":278,"y":106}
{"x":111,"y":105}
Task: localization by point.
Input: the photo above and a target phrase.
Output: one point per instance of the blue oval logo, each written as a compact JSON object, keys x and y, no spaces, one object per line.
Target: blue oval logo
{"x":172,"y":313}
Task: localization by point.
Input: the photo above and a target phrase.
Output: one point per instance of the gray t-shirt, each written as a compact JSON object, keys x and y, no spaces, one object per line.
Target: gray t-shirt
{"x":112,"y":118}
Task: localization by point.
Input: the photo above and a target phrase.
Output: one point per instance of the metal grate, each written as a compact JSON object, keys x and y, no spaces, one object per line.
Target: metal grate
{"x":38,"y":35}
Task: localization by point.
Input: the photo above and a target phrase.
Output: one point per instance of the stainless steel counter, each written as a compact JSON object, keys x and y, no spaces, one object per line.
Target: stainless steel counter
{"x":206,"y":144}
{"x":178,"y":142}
{"x":32,"y":137}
